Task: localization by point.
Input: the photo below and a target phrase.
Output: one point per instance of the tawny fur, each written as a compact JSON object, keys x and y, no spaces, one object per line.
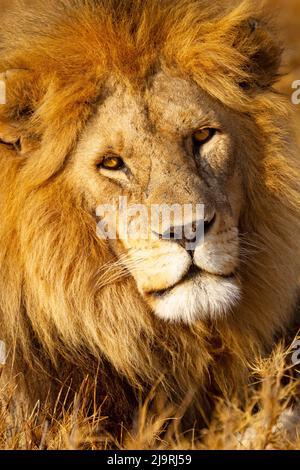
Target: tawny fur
{"x":58,"y":319}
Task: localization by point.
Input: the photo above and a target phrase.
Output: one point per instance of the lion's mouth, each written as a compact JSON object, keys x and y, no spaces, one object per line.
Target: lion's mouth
{"x":193,"y":273}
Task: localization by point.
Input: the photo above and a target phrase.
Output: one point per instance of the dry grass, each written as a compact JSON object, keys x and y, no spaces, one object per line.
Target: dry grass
{"x":265,"y":422}
{"x":268,"y":420}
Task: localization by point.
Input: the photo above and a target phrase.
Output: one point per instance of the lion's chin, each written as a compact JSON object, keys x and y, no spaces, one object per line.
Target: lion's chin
{"x":204,"y":297}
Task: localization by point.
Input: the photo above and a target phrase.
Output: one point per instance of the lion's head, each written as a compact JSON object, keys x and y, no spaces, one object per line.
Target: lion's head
{"x":170,"y":144}
{"x":157,"y":103}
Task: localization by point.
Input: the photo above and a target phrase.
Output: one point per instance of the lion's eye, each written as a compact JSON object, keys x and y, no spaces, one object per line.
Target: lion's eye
{"x":112,"y":162}
{"x":202,"y":136}
{"x":12,"y":145}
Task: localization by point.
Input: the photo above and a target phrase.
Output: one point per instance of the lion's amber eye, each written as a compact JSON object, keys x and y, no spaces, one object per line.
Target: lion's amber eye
{"x":202,"y":136}
{"x":112,"y":162}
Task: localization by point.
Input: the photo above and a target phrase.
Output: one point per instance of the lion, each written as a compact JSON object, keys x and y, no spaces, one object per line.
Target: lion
{"x":159,"y":102}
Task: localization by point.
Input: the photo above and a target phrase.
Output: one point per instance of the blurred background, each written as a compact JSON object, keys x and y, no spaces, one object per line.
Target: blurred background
{"x":287,"y":13}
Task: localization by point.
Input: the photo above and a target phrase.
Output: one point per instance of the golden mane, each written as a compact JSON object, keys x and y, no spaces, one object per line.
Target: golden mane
{"x":66,"y":309}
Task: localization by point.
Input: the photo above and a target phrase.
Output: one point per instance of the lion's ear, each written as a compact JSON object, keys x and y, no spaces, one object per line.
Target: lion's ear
{"x":255,"y":40}
{"x":16,"y":108}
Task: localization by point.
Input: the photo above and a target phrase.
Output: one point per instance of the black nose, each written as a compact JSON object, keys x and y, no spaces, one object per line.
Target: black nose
{"x":190,"y":233}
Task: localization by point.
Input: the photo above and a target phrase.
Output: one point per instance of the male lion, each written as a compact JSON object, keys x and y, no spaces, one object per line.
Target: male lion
{"x":162,"y":102}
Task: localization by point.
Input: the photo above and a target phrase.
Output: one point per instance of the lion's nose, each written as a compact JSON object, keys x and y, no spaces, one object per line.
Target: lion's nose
{"x":189,"y":234}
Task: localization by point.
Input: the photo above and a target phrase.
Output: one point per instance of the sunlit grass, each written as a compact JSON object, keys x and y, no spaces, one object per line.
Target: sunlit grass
{"x":268,"y":420}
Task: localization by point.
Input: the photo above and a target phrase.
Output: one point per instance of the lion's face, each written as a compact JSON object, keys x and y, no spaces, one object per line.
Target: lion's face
{"x":170,"y":144}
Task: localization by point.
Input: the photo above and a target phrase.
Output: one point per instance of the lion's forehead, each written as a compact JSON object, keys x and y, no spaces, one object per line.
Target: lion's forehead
{"x":166,"y":103}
